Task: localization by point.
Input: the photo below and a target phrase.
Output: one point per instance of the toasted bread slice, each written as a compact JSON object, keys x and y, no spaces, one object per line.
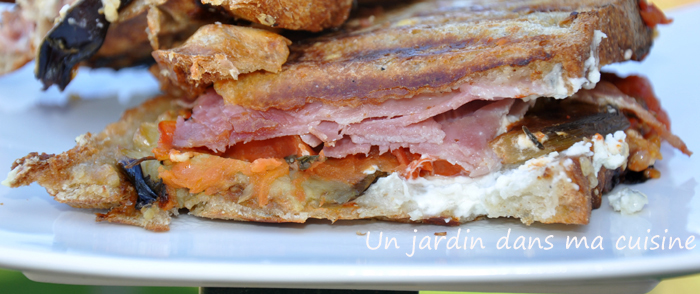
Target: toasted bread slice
{"x":87,"y":176}
{"x":305,"y":15}
{"x":221,"y":51}
{"x":537,"y":48}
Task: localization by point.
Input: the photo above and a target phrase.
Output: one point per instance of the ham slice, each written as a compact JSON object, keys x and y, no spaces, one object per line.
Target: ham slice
{"x":455,"y":127}
{"x":213,"y":117}
{"x":465,"y":136}
{"x":450,"y":126}
{"x":607,"y":93}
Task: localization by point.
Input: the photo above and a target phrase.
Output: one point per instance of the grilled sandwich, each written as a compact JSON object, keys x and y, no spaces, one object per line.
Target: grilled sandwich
{"x":64,"y":34}
{"x":431,"y":111}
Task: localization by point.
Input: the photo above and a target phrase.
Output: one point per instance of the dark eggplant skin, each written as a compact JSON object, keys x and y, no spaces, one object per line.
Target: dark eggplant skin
{"x":562,"y":123}
{"x":304,"y":162}
{"x":147,"y":190}
{"x":76,"y":37}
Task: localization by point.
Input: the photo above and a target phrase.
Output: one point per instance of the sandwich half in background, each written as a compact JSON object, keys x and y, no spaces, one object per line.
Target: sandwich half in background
{"x":63,"y":34}
{"x":435,"y":111}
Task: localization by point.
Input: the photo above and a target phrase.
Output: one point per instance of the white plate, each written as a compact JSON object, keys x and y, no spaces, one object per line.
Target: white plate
{"x":52,"y":242}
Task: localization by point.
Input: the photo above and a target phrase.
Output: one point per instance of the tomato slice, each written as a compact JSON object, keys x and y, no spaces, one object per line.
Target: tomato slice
{"x":652,"y":15}
{"x":165,"y":141}
{"x":279,"y":147}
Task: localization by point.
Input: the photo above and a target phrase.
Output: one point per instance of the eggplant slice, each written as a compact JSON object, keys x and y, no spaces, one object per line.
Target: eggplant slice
{"x":554,"y":125}
{"x":77,"y":36}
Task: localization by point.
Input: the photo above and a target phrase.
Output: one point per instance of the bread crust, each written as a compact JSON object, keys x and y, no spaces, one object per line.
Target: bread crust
{"x":371,"y":60}
{"x":147,"y":25}
{"x":220,"y":51}
{"x":305,"y":15}
{"x":87,"y":176}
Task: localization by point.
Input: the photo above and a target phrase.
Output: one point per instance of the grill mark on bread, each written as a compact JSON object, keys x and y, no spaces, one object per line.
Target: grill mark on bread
{"x":375,"y":86}
{"x":374,"y":64}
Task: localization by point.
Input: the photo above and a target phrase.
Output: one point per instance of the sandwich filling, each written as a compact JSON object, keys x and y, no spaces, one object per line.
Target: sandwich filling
{"x":438,"y":126}
{"x":530,"y":160}
{"x":454,"y":126}
{"x":517,"y":191}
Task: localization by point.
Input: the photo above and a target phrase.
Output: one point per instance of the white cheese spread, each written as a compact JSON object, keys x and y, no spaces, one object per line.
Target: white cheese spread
{"x":627,"y":201}
{"x":522,"y":191}
{"x":592,"y":73}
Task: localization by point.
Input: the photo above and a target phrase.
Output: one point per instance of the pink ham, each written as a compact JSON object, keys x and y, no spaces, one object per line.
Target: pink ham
{"x":391,"y":131}
{"x":467,"y":133}
{"x":444,"y":126}
{"x":211,"y":113}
